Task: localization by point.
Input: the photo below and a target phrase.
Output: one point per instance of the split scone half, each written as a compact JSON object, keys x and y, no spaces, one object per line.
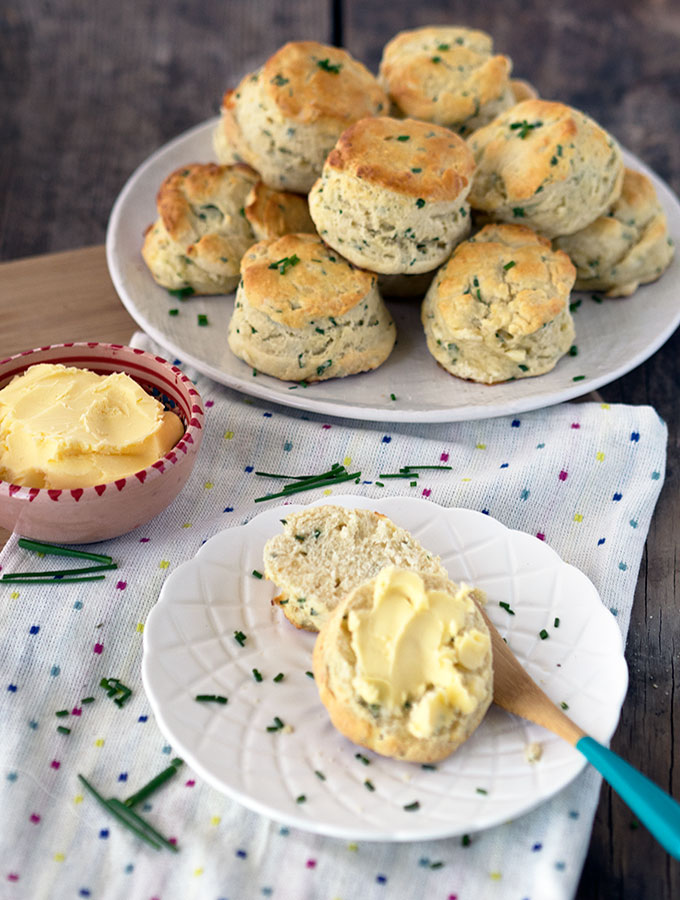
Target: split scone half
{"x":284,"y":118}
{"x":499,"y":308}
{"x":392,"y":195}
{"x":404,"y":665}
{"x":303,"y":313}
{"x":545,"y":165}
{"x":272,"y":214}
{"x":625,"y":248}
{"x":324,"y":552}
{"x":201,"y":233}
{"x":447,"y":75}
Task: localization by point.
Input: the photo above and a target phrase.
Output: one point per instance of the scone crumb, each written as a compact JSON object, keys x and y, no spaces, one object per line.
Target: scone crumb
{"x":287,"y":729}
{"x":533,"y":752}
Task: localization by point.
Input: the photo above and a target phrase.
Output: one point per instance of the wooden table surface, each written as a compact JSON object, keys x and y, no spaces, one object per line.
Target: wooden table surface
{"x":90,"y":88}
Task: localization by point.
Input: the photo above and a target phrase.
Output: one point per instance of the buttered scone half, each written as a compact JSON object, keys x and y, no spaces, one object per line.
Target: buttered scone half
{"x":303,"y":313}
{"x":446,"y":75}
{"x":625,"y":248}
{"x":324,"y":552}
{"x":404,"y":665}
{"x":545,"y":165}
{"x":499,"y":309}
{"x":392,"y":195}
{"x":272,"y":214}
{"x":201,"y":232}
{"x":285,"y":118}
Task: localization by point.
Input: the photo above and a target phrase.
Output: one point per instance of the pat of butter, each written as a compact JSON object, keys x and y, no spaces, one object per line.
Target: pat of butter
{"x":414,"y":653}
{"x":68,"y":428}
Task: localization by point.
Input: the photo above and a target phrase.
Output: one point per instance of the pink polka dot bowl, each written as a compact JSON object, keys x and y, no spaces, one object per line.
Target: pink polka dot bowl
{"x":85,"y":515}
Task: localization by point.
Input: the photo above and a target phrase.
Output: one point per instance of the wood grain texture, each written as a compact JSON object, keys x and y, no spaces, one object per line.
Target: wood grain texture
{"x":89,"y":88}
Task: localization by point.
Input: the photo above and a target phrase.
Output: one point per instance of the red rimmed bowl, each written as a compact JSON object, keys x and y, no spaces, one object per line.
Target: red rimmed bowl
{"x":84,"y":515}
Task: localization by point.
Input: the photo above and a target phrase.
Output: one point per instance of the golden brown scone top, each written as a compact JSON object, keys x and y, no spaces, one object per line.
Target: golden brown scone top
{"x":403,"y":155}
{"x":309,"y":82}
{"x":508,"y":274}
{"x":275,"y":213}
{"x":533,"y":144}
{"x":297,"y":278}
{"x":443,"y":74}
{"x":193,"y":194}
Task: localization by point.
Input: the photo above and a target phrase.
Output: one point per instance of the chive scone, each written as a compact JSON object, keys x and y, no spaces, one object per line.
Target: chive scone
{"x":545,"y":165}
{"x":324,"y":552}
{"x":392,"y":195}
{"x":285,"y":118}
{"x":499,"y":309}
{"x":625,"y":248}
{"x":201,"y":233}
{"x":404,"y":665}
{"x":446,"y":75}
{"x":272,"y":214}
{"x":303,"y":313}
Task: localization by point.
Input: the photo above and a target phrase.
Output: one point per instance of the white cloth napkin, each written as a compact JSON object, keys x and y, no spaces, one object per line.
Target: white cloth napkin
{"x":584,"y":476}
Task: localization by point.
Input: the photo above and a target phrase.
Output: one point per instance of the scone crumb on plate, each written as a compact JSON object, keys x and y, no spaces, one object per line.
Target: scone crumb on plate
{"x":533,"y":752}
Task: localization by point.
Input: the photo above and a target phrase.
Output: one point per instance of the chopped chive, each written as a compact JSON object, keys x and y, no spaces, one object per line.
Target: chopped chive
{"x":257,"y":574}
{"x":301,"y":799}
{"x":113,"y":686}
{"x":150,"y":830}
{"x":578,"y":378}
{"x":412,"y":807}
{"x":481,"y":791}
{"x":61,"y":713}
{"x":522,"y":367}
{"x":392,"y":397}
{"x":87,"y":700}
{"x":437,"y":865}
{"x":285,"y":263}
{"x":509,"y":265}
{"x":300,"y":538}
{"x":574,"y":306}
{"x":543,"y":634}
{"x":369,"y":785}
{"x":310,"y":675}
{"x":53,"y":573}
{"x":415,"y":468}
{"x":412,"y":483}
{"x":465,"y":840}
{"x":59,"y":580}
{"x":153,"y":785}
{"x":398,"y":475}
{"x":518,"y":212}
{"x":202,"y":319}
{"x":305,"y":486}
{"x":328,"y":66}
{"x":173,"y":312}
{"x":240,"y":638}
{"x":362,"y":759}
{"x":435,"y":59}
{"x":181,"y":293}
{"x":506,"y":607}
{"x":596,"y":298}
{"x":556,"y":623}
{"x":564,"y":705}
{"x":573,"y":350}
{"x":117,"y":813}
{"x":319,"y":775}
{"x":278,"y":677}
{"x":56,"y":550}
{"x":420,"y":203}
{"x":211,"y":698}
{"x":62,"y":730}
{"x":379,"y":484}
{"x":429,"y":767}
{"x":257,"y":675}
{"x":277,"y":726}
{"x":403,"y":137}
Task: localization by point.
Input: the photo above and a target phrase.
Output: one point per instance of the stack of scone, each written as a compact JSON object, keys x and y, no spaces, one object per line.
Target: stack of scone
{"x":393,"y":174}
{"x":403,"y":657}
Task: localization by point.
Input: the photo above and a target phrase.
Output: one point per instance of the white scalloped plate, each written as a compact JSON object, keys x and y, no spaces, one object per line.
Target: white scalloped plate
{"x":612,"y":337}
{"x":189,"y":649}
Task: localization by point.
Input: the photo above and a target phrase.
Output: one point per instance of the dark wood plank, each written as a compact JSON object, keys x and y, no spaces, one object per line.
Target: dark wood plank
{"x":93,"y":87}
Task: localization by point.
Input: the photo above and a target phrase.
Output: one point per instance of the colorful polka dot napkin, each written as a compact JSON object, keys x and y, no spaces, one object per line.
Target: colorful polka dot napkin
{"x":583,"y":477}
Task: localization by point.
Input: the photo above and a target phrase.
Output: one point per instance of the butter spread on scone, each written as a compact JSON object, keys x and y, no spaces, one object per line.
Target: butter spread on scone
{"x":545,"y":165}
{"x":625,"y":248}
{"x":284,"y":118}
{"x":201,"y":233}
{"x":303,"y":313}
{"x":64,"y":428}
{"x":447,"y":75}
{"x":404,"y":665}
{"x":392,"y":195}
{"x":324,"y":552}
{"x":499,"y":308}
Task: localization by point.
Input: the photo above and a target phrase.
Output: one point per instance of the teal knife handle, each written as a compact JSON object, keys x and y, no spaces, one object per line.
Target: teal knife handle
{"x":656,"y":809}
